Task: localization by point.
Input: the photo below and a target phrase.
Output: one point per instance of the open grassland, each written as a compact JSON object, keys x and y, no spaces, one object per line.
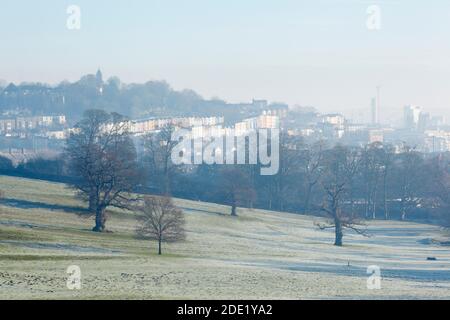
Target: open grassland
{"x":260,"y":254}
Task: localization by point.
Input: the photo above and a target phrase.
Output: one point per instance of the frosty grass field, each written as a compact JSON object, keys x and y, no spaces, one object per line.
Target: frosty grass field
{"x":260,"y":254}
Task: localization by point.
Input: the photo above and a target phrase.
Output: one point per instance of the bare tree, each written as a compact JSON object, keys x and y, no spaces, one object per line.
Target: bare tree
{"x":236,"y":188}
{"x":161,"y":220}
{"x":158,"y":147}
{"x":351,"y":168}
{"x":410,"y":178}
{"x":372,"y":169}
{"x":282,"y":187}
{"x":338,"y":169}
{"x":102,"y":156}
{"x":386,"y":161}
{"x":440,"y":187}
{"x":311,"y":163}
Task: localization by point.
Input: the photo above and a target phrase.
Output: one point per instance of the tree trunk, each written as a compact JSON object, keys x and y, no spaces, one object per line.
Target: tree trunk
{"x":352,"y":201}
{"x":338,"y":233}
{"x":404,"y":200}
{"x":279,"y":195}
{"x":368,"y":201}
{"x":374,"y":205}
{"x":385,"y":203}
{"x":375,"y":199}
{"x":92,"y":203}
{"x":159,"y":247}
{"x":100,"y":220}
{"x":233,"y":210}
{"x":403,"y":209}
{"x":403,"y":214}
{"x":166,"y":185}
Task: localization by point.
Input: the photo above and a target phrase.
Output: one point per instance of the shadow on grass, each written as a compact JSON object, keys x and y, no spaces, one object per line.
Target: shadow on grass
{"x":25,"y":204}
{"x":204,"y":211}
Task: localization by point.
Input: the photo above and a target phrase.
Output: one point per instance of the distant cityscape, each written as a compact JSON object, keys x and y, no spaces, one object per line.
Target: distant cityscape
{"x":22,"y":134}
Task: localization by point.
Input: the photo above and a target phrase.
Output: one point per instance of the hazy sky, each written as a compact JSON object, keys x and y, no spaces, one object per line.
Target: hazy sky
{"x":317,"y":52}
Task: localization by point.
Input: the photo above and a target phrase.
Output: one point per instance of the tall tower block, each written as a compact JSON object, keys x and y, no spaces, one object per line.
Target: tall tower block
{"x":376,"y":108}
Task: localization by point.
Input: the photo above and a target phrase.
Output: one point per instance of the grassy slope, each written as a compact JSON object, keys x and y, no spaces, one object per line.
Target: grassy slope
{"x":261,"y":254}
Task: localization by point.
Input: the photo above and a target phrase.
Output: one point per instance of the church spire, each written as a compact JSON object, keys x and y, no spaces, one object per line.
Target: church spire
{"x":99,"y":77}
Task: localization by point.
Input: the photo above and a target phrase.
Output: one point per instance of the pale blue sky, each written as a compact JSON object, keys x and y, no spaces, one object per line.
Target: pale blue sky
{"x":316,"y":52}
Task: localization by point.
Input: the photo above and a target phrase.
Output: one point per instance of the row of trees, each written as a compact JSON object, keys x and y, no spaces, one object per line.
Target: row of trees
{"x":153,"y":98}
{"x":385,"y":183}
{"x":345,"y":184}
{"x":381,"y":182}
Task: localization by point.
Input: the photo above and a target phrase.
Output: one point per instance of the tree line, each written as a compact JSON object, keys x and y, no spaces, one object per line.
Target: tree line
{"x":153,"y":98}
{"x":346,"y":185}
{"x":380,"y":182}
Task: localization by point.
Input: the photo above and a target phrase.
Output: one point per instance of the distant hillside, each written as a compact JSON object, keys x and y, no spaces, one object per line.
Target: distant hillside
{"x":154,"y":98}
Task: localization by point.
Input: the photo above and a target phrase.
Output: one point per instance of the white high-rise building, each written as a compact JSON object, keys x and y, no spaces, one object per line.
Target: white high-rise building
{"x":376,"y":108}
{"x":411,"y":116}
